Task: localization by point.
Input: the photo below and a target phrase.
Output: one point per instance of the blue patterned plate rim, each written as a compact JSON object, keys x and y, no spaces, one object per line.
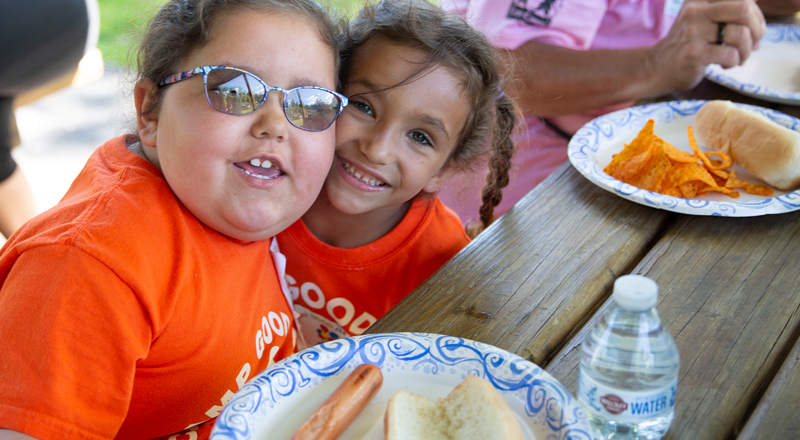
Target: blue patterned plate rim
{"x":275,"y":402}
{"x":590,"y":150}
{"x":776,"y":34}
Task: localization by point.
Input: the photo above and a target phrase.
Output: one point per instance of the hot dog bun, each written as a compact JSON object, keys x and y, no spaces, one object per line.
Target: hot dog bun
{"x":765,"y":149}
{"x":474,"y":410}
{"x":343,"y":406}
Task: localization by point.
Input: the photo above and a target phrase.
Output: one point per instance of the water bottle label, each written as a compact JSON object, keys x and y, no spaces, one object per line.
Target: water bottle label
{"x":622,"y":405}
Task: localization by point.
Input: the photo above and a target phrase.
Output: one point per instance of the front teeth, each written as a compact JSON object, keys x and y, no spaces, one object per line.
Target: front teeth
{"x":257,"y":163}
{"x":350,"y":170}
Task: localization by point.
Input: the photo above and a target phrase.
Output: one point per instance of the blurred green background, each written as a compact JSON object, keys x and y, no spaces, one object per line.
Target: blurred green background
{"x":122,"y":23}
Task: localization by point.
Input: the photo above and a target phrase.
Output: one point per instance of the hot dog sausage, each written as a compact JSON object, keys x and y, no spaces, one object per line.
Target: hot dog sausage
{"x":343,"y":406}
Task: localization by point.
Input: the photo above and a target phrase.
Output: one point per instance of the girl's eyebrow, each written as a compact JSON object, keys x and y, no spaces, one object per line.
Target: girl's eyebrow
{"x":435,"y":122}
{"x":366,"y":84}
{"x":306,"y":82}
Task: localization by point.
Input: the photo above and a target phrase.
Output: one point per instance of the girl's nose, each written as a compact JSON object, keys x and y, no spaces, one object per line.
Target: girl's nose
{"x":378,"y":148}
{"x":271,"y":122}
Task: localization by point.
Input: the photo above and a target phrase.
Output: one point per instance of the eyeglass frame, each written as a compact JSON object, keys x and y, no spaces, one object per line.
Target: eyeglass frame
{"x":205,"y":70}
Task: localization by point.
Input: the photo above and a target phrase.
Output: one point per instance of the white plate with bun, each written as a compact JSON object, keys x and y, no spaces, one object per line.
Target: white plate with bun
{"x":276,"y":402}
{"x":591,"y":148}
{"x":771,"y":73}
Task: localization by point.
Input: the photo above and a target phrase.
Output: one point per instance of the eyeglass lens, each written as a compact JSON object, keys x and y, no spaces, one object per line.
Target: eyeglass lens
{"x":238,"y":93}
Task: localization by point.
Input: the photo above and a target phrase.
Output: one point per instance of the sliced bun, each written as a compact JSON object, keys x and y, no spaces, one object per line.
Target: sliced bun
{"x":474,"y":410}
{"x":765,"y":149}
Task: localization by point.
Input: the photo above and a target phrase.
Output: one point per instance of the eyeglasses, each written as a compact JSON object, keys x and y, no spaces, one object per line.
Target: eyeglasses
{"x":238,"y":92}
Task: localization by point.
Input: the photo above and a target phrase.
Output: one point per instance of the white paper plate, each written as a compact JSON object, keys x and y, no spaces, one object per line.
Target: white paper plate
{"x":276,"y":402}
{"x":591,"y":148}
{"x":772,"y":73}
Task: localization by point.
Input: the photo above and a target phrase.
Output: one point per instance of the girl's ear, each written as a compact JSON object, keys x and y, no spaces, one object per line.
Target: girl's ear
{"x":441,"y":176}
{"x":147,"y":125}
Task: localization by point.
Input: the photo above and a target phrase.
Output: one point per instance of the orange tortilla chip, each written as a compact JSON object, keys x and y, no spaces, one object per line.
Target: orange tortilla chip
{"x":654,"y":170}
{"x":686,"y":172}
{"x":704,"y":156}
{"x":628,"y":169}
{"x":689,"y":189}
{"x":720,"y":181}
{"x":640,"y":145}
{"x":675,"y":154}
{"x":674,"y":192}
{"x":726,"y":191}
{"x":734,"y":182}
{"x":726,"y":162}
{"x":759,"y":190}
{"x":722,"y":174}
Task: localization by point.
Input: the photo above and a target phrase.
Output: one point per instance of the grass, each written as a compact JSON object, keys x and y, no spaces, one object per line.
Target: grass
{"x":122,"y":23}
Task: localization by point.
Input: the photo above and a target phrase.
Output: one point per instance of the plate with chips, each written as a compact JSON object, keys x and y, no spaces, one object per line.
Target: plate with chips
{"x":592,"y":148}
{"x":771,"y":73}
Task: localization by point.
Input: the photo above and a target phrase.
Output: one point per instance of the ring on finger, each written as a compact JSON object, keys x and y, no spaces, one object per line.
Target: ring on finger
{"x":721,"y":34}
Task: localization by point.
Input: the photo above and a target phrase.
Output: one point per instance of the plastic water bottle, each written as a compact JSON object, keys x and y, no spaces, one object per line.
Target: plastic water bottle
{"x":629,"y":366}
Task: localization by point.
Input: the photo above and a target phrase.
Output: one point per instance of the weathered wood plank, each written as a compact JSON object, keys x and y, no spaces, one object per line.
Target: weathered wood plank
{"x":730,"y":295}
{"x":532,"y":278}
{"x":778,"y":412}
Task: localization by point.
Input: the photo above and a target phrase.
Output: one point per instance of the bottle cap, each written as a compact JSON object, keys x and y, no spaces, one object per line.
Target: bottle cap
{"x":635,"y":293}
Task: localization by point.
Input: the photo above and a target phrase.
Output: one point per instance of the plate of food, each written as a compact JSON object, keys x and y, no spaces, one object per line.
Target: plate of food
{"x":772,"y":72}
{"x":414,"y":368}
{"x":775,"y":154}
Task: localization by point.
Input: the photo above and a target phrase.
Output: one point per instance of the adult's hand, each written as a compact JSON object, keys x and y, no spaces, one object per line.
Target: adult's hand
{"x":680,"y":59}
{"x":556,"y":81}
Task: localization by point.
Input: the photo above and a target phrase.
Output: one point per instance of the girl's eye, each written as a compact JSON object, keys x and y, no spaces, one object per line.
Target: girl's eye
{"x":362,"y":106}
{"x":420,"y":138}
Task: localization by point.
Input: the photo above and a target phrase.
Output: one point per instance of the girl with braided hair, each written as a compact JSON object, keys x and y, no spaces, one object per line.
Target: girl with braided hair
{"x":426,"y":101}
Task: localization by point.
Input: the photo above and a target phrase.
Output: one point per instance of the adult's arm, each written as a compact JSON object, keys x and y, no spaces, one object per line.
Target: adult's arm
{"x":558,"y":81}
{"x":7,"y":434}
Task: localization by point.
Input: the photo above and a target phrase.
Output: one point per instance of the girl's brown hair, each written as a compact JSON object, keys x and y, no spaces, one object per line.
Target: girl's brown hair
{"x":182,"y":26}
{"x":452,"y":43}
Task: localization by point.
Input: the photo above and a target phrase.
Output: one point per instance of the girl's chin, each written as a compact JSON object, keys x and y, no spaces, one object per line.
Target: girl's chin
{"x":350,"y":208}
{"x":348,"y":203}
{"x":254,"y":229}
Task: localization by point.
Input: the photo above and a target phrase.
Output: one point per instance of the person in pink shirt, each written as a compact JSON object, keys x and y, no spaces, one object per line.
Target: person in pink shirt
{"x":578,"y":59}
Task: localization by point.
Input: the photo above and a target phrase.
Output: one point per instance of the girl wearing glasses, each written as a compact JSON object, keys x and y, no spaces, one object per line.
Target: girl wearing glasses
{"x":426,"y":101}
{"x":139,"y":304}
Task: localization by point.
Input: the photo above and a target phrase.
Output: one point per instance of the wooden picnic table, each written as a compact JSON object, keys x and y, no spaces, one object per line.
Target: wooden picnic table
{"x":536,"y":280}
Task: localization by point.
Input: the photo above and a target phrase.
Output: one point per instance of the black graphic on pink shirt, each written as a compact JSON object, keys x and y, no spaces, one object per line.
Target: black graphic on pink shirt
{"x":534,"y":12}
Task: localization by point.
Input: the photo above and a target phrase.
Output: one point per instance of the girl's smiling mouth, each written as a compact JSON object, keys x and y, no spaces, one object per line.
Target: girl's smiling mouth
{"x":360,"y":177}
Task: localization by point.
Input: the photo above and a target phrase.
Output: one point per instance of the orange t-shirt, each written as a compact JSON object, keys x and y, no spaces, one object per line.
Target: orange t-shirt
{"x":121,"y":315}
{"x":341,"y":292}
